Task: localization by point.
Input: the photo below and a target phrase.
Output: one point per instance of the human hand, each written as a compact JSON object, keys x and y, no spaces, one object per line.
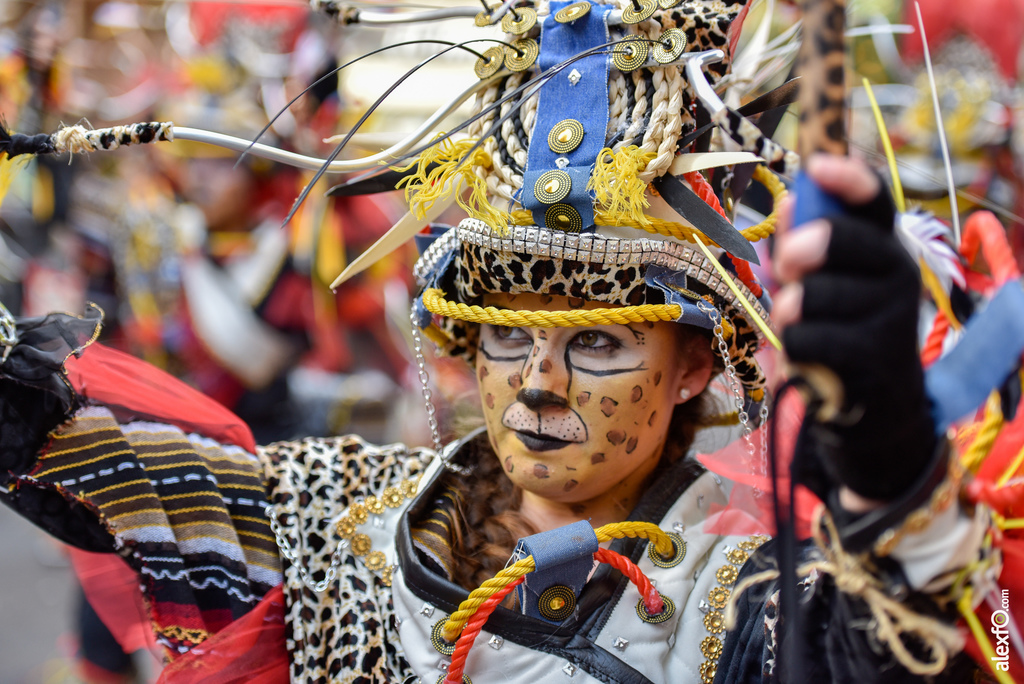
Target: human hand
{"x":850,"y":303}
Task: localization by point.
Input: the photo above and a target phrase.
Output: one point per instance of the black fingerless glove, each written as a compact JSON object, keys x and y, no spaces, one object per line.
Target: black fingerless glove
{"x":860,"y":313}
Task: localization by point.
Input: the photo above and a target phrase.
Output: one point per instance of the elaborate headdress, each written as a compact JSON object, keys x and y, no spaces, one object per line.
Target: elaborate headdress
{"x":577,"y":137}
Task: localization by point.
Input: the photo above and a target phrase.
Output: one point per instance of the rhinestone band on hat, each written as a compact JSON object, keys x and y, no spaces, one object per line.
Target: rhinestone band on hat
{"x":586,"y":247}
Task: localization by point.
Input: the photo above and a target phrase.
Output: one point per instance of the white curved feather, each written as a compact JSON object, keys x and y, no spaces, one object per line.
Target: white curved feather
{"x":927,"y":239}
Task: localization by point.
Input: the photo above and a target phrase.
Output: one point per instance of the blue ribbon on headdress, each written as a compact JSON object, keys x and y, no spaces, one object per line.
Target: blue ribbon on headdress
{"x":565,"y":96}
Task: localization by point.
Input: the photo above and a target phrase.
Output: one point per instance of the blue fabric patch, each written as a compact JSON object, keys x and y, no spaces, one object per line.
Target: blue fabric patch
{"x":988,"y":352}
{"x":563,"y":556}
{"x":669,"y":282}
{"x":587,"y":102}
{"x":433,"y":280}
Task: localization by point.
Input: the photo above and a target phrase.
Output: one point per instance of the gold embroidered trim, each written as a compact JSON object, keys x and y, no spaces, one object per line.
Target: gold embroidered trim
{"x":718,"y":597}
{"x":359,"y":514}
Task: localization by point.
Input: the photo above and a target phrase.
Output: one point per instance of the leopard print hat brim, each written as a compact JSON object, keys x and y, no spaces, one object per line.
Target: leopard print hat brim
{"x":465,"y":265}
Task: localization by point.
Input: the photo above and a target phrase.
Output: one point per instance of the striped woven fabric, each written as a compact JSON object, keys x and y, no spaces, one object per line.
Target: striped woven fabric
{"x":187,"y":513}
{"x":433,"y":535}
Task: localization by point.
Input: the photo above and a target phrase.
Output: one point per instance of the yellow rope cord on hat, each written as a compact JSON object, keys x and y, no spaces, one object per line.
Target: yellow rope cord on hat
{"x":986,"y":437}
{"x":681,"y":231}
{"x":963,"y":604}
{"x":435,"y":303}
{"x":457,"y":620}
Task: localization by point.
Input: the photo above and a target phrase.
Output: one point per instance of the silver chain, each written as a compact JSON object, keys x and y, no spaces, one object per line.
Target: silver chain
{"x":428,"y":396}
{"x":293,"y":557}
{"x":8,"y":332}
{"x":730,"y":372}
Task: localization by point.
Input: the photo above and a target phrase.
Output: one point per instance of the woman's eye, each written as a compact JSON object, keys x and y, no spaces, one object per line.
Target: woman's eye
{"x":509,"y":333}
{"x":595,"y":341}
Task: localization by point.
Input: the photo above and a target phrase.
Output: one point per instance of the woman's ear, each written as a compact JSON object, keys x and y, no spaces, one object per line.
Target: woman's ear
{"x":695,"y":367}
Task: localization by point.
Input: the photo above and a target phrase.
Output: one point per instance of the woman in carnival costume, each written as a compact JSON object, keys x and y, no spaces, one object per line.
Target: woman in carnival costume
{"x":594,"y":317}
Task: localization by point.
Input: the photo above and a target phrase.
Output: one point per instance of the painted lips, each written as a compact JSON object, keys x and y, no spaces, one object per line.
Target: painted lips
{"x":546,"y":430}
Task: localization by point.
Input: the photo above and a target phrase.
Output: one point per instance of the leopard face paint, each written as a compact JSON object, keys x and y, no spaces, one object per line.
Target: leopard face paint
{"x":576,"y":411}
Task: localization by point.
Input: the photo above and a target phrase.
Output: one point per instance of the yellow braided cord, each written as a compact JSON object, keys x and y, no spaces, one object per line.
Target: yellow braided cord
{"x":458,"y":619}
{"x":435,"y":303}
{"x":987,"y":433}
{"x":681,"y":231}
{"x":964,"y":606}
{"x":662,"y":542}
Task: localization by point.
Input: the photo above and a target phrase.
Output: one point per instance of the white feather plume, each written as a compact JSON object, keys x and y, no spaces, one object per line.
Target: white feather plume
{"x":927,"y":239}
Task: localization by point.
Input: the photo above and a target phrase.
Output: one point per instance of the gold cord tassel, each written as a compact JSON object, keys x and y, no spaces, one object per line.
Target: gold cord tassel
{"x":616,"y":184}
{"x":450,"y":167}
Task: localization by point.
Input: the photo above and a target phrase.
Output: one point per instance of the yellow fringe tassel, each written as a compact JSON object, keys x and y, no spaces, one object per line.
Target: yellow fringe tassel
{"x":616,"y":186}
{"x":428,"y":185}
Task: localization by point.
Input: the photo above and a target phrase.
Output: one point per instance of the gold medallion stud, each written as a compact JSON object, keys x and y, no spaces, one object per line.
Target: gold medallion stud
{"x":552,"y":186}
{"x":565,"y":136}
{"x":639,"y":10}
{"x":489,"y":64}
{"x":669,"y":46}
{"x":575,"y":11}
{"x":557,"y":602}
{"x":563,"y":217}
{"x":519,"y":21}
{"x":668,"y":4}
{"x":482,"y":19}
{"x":521,"y":54}
{"x":630,"y":54}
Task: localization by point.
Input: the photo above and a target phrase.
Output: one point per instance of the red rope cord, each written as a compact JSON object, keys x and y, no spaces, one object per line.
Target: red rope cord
{"x":652,"y":599}
{"x":933,"y":344}
{"x":472,"y":630}
{"x":984,"y":230}
{"x":707,"y":193}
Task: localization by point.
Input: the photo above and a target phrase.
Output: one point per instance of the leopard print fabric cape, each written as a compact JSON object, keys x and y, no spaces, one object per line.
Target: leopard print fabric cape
{"x":348,"y":633}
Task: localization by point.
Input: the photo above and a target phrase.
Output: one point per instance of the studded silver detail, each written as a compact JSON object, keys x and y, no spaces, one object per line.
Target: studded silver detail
{"x":569,"y":669}
{"x":427,"y":610}
{"x":562,"y":162}
{"x":620,"y":643}
{"x":378,"y":522}
{"x":671,"y":640}
{"x":496,"y":642}
{"x":574,"y":78}
{"x":443,"y":665}
{"x":703,"y":606}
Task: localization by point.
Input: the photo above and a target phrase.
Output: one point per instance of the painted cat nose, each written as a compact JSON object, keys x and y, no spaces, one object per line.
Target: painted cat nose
{"x":536,"y":399}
